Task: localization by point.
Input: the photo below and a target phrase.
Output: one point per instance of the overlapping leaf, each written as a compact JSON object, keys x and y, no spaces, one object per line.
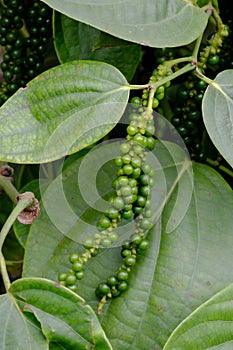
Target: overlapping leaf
{"x":218,"y":113}
{"x":149,"y":22}
{"x":209,"y":327}
{"x":63,"y":110}
{"x":74,"y":40}
{"x":64,"y":318}
{"x":182,"y":269}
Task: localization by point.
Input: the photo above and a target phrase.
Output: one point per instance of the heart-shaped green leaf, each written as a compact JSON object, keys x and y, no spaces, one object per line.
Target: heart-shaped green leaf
{"x":182,"y":269}
{"x":62,"y":314}
{"x":63,"y":110}
{"x":154,"y":23}
{"x":209,"y":327}
{"x":217,"y":107}
{"x":74,"y":40}
{"x":19,"y":330}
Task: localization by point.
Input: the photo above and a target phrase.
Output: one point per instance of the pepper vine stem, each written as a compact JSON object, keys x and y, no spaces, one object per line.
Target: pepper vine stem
{"x":9,"y":188}
{"x":187,"y":68}
{"x":20,"y":206}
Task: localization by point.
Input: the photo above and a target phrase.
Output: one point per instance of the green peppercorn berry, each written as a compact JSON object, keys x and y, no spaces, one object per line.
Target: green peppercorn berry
{"x":189,"y":124}
{"x":148,"y":203}
{"x":73,"y":257}
{"x":141,"y":201}
{"x":182,"y":130}
{"x":133,"y":117}
{"x":79,"y":275}
{"x":118,"y":203}
{"x":213,"y":60}
{"x":144,"y":179}
{"x":113,"y":236}
{"x":160,"y":96}
{"x":137,"y":210}
{"x":130,"y":261}
{"x":135,"y":101}
{"x":199,"y":97}
{"x":146,"y":167}
{"x":127,"y":244}
{"x":126,"y":158}
{"x":155,"y":103}
{"x":138,"y":149}
{"x":103,"y":288}
{"x":201,"y":85}
{"x":176,"y":121}
{"x":62,"y":276}
{"x":148,"y":213}
{"x":105,"y":242}
{"x":125,"y":191}
{"x":70,"y":279}
{"x":122,"y":275}
{"x":144,"y":244}
{"x":122,"y":286}
{"x":131,"y":130}
{"x":150,"y":143}
{"x":146,"y":224}
{"x":134,"y":190}
{"x":112,"y":213}
{"x":88,"y":243}
{"x":150,"y":130}
{"x":136,"y":173}
{"x":136,"y":238}
{"x":125,"y":252}
{"x":118,"y":162}
{"x":125,"y":147}
{"x":182,"y":93}
{"x":8,"y":75}
{"x":136,"y":162}
{"x":122,"y":181}
{"x":193,"y":115}
{"x":104,"y":222}
{"x":187,"y":140}
{"x":77,"y":266}
{"x":115,"y":293}
{"x":129,"y":199}
{"x":127,"y":214}
{"x":145,"y":191}
{"x":112,"y":281}
{"x":128,"y":169}
{"x":139,"y":138}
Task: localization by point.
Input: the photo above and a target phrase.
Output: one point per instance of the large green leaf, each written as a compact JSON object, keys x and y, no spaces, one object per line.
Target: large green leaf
{"x":62,"y":111}
{"x":209,"y":327}
{"x":190,"y":268}
{"x":63,"y":315}
{"x":74,"y":40}
{"x":149,"y":22}
{"x":182,"y":269}
{"x":18,"y":330}
{"x":217,"y":107}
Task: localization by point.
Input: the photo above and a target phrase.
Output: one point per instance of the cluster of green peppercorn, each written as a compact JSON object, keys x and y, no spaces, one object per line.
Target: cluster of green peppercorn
{"x":132,"y":201}
{"x":25,"y":33}
{"x":135,"y":178}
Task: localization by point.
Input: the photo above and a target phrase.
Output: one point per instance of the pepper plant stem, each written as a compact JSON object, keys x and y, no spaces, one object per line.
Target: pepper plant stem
{"x":9,"y":188}
{"x":20,"y":206}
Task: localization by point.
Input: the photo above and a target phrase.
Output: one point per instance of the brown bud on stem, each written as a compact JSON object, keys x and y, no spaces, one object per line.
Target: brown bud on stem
{"x":29,"y":214}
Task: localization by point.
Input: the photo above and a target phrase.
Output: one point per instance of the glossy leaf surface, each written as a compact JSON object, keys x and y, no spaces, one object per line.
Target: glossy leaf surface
{"x":148,"y":22}
{"x":75,"y":40}
{"x":218,"y":113}
{"x":181,"y":270}
{"x":62,"y":111}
